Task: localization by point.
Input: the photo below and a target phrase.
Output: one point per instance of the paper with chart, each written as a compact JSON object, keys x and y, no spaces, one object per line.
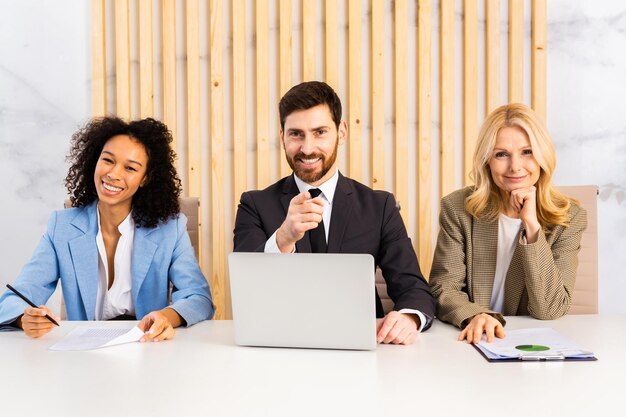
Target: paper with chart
{"x":88,"y":338}
{"x":539,"y":342}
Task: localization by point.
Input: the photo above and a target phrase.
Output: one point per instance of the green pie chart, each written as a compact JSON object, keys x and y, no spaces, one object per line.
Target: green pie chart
{"x":532,"y":348}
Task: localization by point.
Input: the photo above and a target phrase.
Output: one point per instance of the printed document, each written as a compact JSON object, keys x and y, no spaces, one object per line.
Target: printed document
{"x":535,"y":343}
{"x":87,"y":338}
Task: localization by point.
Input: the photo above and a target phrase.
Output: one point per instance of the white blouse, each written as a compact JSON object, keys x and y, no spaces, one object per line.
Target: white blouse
{"x":117,"y":300}
{"x":508,"y":235}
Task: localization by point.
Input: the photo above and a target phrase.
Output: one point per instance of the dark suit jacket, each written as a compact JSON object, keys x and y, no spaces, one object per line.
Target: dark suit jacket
{"x":362,"y":221}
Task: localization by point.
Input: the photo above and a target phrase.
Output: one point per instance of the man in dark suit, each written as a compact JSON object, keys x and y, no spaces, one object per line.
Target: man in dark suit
{"x":319,"y":210}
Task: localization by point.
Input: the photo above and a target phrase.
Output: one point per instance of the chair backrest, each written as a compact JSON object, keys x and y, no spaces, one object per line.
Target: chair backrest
{"x":585,"y":297}
{"x":190,"y":207}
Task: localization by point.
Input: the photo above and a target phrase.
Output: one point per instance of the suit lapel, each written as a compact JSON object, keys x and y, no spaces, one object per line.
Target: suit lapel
{"x":84,"y":253}
{"x":484,"y":244}
{"x":342,"y":209}
{"x":144,"y":249}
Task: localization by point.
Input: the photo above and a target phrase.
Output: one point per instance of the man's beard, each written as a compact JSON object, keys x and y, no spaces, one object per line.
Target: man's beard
{"x":310,"y":176}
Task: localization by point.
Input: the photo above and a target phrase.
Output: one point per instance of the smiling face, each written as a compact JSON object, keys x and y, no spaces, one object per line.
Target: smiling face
{"x":311,"y":139}
{"x":512,"y":163}
{"x":120,"y":171}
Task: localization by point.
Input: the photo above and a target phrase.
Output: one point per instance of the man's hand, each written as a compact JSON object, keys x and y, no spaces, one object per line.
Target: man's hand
{"x":304,"y":214}
{"x":34,"y":321}
{"x":159,"y":325}
{"x":482,"y":323}
{"x":397,"y":328}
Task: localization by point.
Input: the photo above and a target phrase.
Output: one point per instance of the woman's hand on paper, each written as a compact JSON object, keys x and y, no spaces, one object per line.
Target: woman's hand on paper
{"x":479,"y":324}
{"x":159,"y":325}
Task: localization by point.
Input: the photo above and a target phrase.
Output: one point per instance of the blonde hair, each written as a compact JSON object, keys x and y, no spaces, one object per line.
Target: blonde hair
{"x":486,"y":200}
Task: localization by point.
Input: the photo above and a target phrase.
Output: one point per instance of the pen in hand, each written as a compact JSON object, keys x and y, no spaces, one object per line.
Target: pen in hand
{"x":30,"y":303}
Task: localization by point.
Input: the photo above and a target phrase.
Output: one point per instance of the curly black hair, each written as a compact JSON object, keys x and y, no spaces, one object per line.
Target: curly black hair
{"x":157,"y":199}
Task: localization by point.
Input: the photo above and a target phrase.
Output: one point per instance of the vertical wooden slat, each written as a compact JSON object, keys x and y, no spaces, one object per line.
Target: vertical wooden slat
{"x":401,"y":133}
{"x":240,"y":157}
{"x":169,"y":68}
{"x":378,"y":96}
{"x":193,"y":100}
{"x":98,"y":59}
{"x":446,"y":84}
{"x":355,"y":158}
{"x":539,"y":43}
{"x":492,"y":55}
{"x":218,"y":243}
{"x":470,"y":84}
{"x":308,"y":40}
{"x":122,"y":58}
{"x":424,"y":145}
{"x":332,"y":48}
{"x":262,"y":94}
{"x":285,"y":66}
{"x":146,"y":77}
{"x":516,"y":51}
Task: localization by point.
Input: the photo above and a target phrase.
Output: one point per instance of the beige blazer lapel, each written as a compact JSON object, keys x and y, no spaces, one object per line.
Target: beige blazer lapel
{"x":485,"y":246}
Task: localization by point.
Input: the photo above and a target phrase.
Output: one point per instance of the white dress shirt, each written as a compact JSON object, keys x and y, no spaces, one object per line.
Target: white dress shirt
{"x":328,"y":193}
{"x":508,"y":232}
{"x":117,"y":300}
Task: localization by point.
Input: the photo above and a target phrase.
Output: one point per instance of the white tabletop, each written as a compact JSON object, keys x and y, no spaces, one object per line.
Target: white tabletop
{"x":201,"y":372}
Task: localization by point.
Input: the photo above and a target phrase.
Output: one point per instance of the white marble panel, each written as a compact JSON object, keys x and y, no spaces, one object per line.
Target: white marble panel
{"x":586,"y":116}
{"x":44,"y":69}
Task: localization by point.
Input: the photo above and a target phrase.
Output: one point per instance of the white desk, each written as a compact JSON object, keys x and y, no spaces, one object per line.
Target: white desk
{"x":201,"y":372}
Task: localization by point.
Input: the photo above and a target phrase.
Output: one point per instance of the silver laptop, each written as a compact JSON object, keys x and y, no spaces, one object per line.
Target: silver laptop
{"x":303,"y":300}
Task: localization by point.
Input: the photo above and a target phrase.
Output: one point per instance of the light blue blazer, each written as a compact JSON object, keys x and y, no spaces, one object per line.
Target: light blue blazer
{"x":68,"y":251}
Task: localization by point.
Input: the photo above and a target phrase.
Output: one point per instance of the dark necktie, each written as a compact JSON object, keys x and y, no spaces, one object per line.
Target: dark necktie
{"x":317,"y":236}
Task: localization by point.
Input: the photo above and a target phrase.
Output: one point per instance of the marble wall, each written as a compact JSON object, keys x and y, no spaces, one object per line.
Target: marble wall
{"x":45,"y":96}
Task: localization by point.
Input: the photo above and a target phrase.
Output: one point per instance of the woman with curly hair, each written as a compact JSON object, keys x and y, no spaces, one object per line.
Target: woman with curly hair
{"x":124,"y":242}
{"x":509,"y":244}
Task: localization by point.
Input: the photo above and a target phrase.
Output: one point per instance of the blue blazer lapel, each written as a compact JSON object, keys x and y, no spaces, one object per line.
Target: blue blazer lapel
{"x":342,"y":209}
{"x":84,"y":254}
{"x":143,"y":252}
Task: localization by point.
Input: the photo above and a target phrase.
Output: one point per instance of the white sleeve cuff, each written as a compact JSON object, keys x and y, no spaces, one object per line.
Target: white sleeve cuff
{"x":421,"y":315}
{"x":272,"y":247}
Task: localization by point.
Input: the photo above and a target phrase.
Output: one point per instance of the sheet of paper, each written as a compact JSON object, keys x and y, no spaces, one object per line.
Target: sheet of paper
{"x":540,"y":342}
{"x":87,"y":338}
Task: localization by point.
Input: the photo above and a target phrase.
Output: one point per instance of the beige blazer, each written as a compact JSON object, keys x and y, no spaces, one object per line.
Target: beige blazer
{"x":540,"y":279}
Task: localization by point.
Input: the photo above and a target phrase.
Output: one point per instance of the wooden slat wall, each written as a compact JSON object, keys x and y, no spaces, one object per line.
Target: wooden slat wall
{"x":146,"y":73}
{"x":539,"y":40}
{"x":446,"y":102}
{"x":122,"y":59}
{"x":98,"y":59}
{"x":285,"y":64}
{"x":424,"y":140}
{"x":356,"y":62}
{"x":401,"y":134}
{"x":353,"y":111}
{"x":169,"y":68}
{"x":470,"y":84}
{"x":492,"y":55}
{"x":262,"y":94}
{"x":240,"y":145}
{"x":378,"y":96}
{"x":216,"y":115}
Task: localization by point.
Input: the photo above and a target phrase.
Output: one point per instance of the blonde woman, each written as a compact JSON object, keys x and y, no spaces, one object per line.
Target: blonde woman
{"x":509,"y":244}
